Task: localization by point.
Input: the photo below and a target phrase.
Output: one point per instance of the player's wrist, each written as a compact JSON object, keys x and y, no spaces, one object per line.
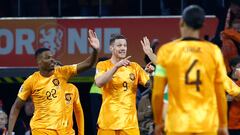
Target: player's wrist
{"x":149,"y":53}
{"x":95,"y":51}
{"x":223,"y":125}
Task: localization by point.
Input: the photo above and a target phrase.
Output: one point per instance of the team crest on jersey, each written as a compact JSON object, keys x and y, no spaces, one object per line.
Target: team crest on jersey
{"x":68,"y":97}
{"x":55,"y":82}
{"x":132,"y":76}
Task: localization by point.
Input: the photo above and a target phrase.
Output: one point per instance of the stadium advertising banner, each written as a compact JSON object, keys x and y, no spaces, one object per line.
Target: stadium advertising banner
{"x":67,"y":37}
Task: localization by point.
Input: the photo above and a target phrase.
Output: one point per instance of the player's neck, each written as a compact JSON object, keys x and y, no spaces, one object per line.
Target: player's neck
{"x":190,"y":33}
{"x":114,"y":60}
{"x":46,"y":73}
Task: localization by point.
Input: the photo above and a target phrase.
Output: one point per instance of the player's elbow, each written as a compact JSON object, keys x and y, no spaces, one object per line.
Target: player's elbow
{"x":98,"y":83}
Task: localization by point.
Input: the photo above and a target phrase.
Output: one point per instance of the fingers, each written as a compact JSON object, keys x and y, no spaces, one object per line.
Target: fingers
{"x":125,"y":62}
{"x":95,"y":34}
{"x":148,"y":64}
{"x":146,"y":40}
{"x":90,"y":41}
{"x":128,"y":57}
{"x":142,"y":43}
{"x":91,"y":33}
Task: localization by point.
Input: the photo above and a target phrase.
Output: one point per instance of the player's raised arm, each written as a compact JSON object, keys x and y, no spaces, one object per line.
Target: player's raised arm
{"x":90,"y":61}
{"x":148,"y":50}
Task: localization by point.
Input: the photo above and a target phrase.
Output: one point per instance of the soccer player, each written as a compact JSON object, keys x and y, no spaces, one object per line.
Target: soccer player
{"x":46,"y":87}
{"x":73,"y":104}
{"x":194,"y":70}
{"x":118,"y":78}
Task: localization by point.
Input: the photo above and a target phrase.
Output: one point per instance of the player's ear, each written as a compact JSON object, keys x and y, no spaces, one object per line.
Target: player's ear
{"x":111,"y":48}
{"x":38,"y":60}
{"x":181,"y":23}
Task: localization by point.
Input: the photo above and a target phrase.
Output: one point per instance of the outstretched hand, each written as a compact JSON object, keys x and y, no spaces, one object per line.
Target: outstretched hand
{"x":146,"y":45}
{"x":123,"y":62}
{"x":149,"y":68}
{"x":93,"y":40}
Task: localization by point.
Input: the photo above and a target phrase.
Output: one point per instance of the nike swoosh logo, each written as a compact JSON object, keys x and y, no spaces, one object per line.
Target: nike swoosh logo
{"x":37,"y":90}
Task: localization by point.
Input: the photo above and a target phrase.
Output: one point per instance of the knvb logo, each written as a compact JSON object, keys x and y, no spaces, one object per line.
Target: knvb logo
{"x":60,"y":40}
{"x":52,"y":36}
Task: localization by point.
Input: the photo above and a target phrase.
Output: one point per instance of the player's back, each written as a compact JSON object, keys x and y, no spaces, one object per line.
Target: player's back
{"x":191,"y":67}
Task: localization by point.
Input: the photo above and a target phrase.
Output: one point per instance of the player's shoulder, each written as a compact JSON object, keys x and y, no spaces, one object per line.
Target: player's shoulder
{"x":169,"y":45}
{"x":71,"y":85}
{"x":31,"y":79}
{"x":58,"y":68}
{"x":211,"y":46}
{"x":208,"y":43}
{"x":104,"y":62}
{"x":134,"y":64}
{"x":34,"y":76}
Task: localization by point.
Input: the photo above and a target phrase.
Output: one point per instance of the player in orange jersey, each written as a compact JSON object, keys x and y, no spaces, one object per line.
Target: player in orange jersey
{"x":73,"y":104}
{"x":195,"y":72}
{"x":46,"y":87}
{"x":118,"y":78}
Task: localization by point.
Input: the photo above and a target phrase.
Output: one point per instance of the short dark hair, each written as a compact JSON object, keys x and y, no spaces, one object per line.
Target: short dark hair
{"x":116,"y":36}
{"x":40,"y":51}
{"x":234,"y":61}
{"x":102,"y":59}
{"x":193,"y":16}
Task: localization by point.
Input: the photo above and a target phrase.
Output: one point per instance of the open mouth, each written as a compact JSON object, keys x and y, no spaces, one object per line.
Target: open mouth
{"x":122,"y":53}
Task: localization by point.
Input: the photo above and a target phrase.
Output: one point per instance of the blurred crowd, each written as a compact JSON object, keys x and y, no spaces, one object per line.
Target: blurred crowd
{"x":57,"y":8}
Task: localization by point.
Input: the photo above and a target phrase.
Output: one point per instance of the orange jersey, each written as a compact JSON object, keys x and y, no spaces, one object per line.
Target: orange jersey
{"x":194,"y":70}
{"x":231,"y":87}
{"x":73,"y":104}
{"x":48,"y":97}
{"x":234,"y":114}
{"x":118,"y":109}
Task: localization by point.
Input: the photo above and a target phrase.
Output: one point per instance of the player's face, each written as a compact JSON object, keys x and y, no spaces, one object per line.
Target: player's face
{"x":3,"y":120}
{"x":119,"y":48}
{"x":47,"y":61}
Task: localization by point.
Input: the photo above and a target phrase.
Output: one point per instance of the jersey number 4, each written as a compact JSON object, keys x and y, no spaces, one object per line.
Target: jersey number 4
{"x":197,"y":82}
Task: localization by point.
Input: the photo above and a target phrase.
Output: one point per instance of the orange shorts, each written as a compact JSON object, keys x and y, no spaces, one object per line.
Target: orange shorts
{"x":42,"y":131}
{"x":207,"y":133}
{"x":134,"y":131}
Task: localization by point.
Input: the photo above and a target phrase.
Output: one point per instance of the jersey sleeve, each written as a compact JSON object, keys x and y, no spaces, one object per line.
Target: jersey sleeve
{"x":78,"y":112}
{"x":68,"y":71}
{"x":160,"y":69}
{"x":219,"y":88}
{"x":231,"y":87}
{"x":25,"y":89}
{"x":159,"y":85}
{"x":221,"y":69}
{"x":143,"y":76}
{"x":100,"y":69}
